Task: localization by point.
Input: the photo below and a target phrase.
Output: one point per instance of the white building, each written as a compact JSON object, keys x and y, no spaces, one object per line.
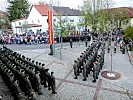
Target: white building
{"x":37,"y":18}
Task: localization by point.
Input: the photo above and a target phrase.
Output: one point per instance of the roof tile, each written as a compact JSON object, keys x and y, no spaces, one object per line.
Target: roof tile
{"x":43,"y":9}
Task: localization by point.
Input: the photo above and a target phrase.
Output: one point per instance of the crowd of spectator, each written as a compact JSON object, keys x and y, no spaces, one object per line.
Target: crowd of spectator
{"x":32,"y":38}
{"x":27,"y":38}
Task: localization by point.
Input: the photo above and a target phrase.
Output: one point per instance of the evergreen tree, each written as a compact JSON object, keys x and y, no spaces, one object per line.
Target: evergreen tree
{"x":17,"y":9}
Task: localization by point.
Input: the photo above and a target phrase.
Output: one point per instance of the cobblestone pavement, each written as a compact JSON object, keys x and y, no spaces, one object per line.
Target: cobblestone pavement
{"x":70,"y":89}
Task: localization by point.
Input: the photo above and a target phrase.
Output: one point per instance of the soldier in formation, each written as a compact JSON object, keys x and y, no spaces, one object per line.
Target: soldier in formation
{"x":91,"y":60}
{"x":75,"y":67}
{"x":24,"y":76}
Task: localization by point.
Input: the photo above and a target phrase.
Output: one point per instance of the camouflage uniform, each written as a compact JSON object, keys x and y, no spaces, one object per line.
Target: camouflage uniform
{"x":75,"y":67}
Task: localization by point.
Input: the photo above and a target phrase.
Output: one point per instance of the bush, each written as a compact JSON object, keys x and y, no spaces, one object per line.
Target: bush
{"x":128,"y":33}
{"x":132,"y":48}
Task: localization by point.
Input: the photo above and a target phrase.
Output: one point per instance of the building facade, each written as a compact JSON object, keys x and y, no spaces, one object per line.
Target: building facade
{"x":37,"y":18}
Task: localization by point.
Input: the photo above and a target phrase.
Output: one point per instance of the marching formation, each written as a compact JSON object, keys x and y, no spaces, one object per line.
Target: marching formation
{"x":24,"y":76}
{"x":92,"y":59}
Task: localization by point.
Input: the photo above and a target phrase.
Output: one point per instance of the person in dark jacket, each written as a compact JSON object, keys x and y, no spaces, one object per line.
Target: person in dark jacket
{"x":71,"y":42}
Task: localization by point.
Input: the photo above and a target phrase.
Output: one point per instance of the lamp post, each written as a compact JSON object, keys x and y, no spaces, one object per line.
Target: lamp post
{"x":59,"y":32}
{"x":79,"y":32}
{"x":111,"y":74}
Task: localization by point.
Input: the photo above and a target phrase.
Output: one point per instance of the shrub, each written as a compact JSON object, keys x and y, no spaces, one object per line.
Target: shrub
{"x":128,"y":33}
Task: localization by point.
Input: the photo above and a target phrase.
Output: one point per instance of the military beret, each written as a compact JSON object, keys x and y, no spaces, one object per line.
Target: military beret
{"x":99,"y":56}
{"x":43,"y":64}
{"x":52,"y":72}
{"x":75,"y":61}
{"x":22,"y":56}
{"x":30,"y":67}
{"x":46,"y":70}
{"x":39,"y":63}
{"x":94,"y":62}
{"x":84,"y":51}
{"x":11,"y":74}
{"x":14,"y":52}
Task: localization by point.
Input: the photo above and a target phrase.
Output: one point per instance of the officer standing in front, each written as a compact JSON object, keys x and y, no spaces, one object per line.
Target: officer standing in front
{"x":86,"y":41}
{"x":71,"y":42}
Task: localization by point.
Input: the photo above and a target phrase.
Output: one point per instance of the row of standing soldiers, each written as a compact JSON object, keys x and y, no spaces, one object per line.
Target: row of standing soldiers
{"x":91,"y":60}
{"x":74,"y":38}
{"x":24,"y":76}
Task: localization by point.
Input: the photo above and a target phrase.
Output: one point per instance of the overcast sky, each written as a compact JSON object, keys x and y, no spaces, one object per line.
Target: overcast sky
{"x":73,"y":3}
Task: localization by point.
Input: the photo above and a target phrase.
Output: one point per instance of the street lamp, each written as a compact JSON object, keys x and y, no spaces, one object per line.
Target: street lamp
{"x":59,"y":32}
{"x":79,"y":32}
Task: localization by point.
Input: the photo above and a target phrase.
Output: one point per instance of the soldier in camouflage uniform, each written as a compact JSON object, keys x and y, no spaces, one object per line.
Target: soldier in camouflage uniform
{"x":84,"y":70}
{"x":95,"y":74}
{"x":53,"y":83}
{"x":79,"y":70}
{"x":75,"y":67}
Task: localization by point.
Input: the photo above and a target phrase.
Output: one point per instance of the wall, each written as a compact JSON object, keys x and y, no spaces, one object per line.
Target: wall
{"x":35,"y":18}
{"x":17,"y":23}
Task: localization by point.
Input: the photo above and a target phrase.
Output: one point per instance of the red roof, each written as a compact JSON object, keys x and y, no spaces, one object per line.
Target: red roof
{"x":5,"y":14}
{"x":43,"y":9}
{"x":128,"y":9}
{"x":31,"y":25}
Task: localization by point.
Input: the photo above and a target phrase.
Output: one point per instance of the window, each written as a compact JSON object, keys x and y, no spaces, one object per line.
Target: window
{"x":19,"y":23}
{"x":79,"y":20}
{"x":71,"y":20}
{"x":32,"y":22}
{"x":54,"y":20}
{"x":38,"y":21}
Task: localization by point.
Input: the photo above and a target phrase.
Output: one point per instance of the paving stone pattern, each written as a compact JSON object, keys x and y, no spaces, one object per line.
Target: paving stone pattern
{"x":70,"y":89}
